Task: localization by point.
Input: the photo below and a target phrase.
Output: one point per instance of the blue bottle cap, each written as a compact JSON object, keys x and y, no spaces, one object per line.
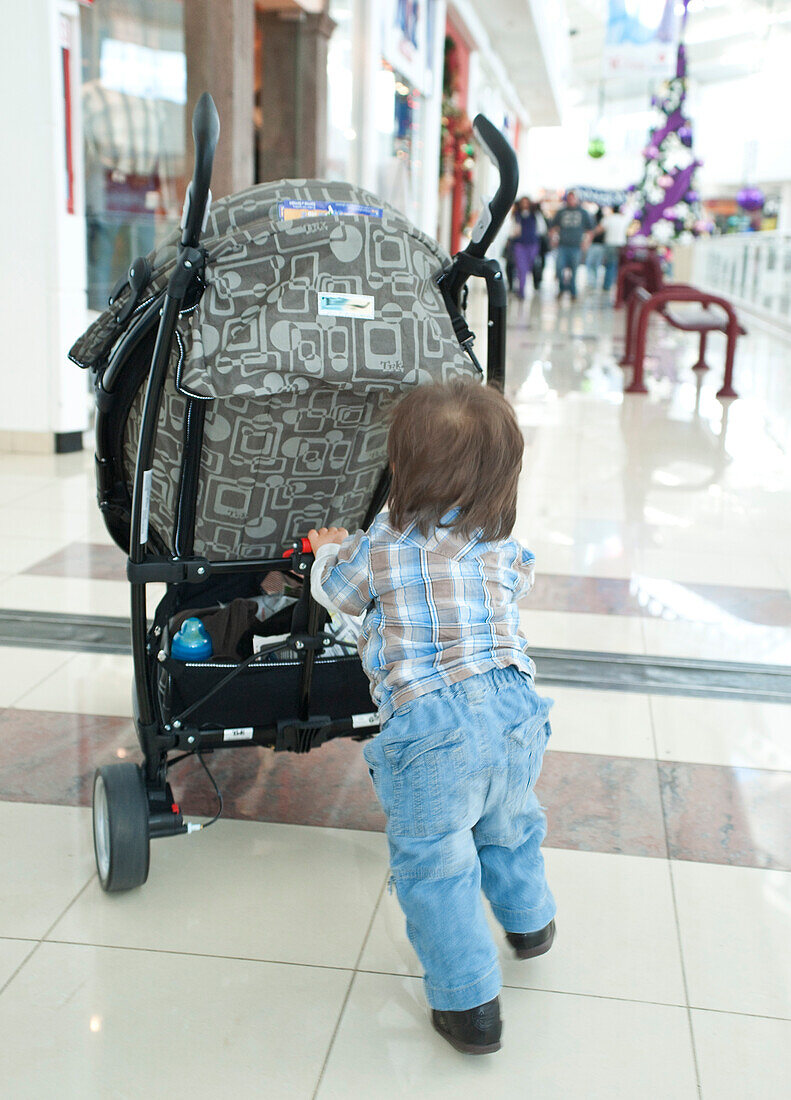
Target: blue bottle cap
{"x":192,"y":643}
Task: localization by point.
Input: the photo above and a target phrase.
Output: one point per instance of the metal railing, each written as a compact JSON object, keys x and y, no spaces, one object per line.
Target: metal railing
{"x":753,"y":270}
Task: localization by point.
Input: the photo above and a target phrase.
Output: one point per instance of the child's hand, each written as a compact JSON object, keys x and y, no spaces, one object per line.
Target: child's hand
{"x":325,"y":535}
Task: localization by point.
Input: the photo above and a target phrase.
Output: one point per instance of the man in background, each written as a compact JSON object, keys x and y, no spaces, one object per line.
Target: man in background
{"x":571,"y":231}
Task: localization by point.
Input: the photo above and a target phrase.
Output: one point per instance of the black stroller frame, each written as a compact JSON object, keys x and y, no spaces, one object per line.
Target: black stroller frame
{"x":132,"y":803}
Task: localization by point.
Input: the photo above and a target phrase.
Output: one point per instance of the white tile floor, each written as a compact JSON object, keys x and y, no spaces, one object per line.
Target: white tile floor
{"x":24,"y":668}
{"x":608,"y":722}
{"x":270,"y":960}
{"x":86,"y":683}
{"x":722,"y":731}
{"x":252,"y":940}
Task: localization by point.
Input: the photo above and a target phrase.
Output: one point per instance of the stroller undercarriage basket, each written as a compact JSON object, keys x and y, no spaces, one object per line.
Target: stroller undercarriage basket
{"x":243,"y":374}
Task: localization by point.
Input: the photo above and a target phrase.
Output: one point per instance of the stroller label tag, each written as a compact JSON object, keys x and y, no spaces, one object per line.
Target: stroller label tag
{"x":365,"y":720}
{"x":346,"y":305}
{"x":292,"y":209}
{"x":239,"y":733}
{"x":146,"y":506}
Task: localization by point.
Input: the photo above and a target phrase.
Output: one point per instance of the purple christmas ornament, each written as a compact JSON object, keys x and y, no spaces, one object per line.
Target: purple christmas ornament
{"x":692,"y":196}
{"x":685,"y":136}
{"x":750,"y":198}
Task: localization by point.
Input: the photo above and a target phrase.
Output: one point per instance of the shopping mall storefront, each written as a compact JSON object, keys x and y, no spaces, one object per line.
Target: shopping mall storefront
{"x":133,"y":95}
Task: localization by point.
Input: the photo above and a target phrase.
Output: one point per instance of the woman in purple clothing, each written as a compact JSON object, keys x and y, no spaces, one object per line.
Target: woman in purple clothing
{"x":526,"y":239}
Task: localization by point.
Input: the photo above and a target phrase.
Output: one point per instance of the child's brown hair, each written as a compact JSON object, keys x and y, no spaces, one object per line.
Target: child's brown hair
{"x":455,"y":444}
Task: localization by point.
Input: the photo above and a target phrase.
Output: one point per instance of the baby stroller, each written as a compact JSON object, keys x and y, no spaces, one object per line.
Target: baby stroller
{"x":242,"y":375}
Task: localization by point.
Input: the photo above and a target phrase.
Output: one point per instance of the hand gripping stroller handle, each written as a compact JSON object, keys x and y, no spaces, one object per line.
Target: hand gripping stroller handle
{"x":205,"y":133}
{"x":496,"y":210}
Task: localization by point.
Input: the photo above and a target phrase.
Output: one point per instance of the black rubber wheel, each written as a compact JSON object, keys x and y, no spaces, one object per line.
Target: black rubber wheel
{"x":120,"y":827}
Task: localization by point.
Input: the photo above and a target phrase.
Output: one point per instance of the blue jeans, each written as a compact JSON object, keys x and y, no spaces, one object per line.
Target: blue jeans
{"x":593,"y":261}
{"x":567,"y":257}
{"x":454,"y":771}
{"x":524,"y":258}
{"x":612,"y":254}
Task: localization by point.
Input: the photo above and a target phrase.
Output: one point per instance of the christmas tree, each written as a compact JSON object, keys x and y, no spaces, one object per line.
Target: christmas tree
{"x":669,"y":204}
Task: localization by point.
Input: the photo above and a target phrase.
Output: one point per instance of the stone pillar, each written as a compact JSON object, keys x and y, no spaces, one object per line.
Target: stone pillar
{"x":293,"y":136}
{"x":219,"y":44}
{"x":43,"y":275}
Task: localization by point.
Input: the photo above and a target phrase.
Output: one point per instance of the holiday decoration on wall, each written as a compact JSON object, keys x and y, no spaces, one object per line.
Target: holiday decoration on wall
{"x":596,"y":148}
{"x":457,"y":151}
{"x":669,"y":205}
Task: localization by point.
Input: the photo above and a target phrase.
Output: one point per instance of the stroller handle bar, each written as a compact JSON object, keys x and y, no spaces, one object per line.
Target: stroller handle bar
{"x":495,"y":211}
{"x":205,"y":133}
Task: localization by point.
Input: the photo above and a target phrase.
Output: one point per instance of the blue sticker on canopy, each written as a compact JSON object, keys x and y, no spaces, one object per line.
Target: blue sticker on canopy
{"x":292,"y":209}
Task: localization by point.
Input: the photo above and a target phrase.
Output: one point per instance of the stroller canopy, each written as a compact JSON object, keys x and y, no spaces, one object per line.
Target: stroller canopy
{"x":320,"y":308}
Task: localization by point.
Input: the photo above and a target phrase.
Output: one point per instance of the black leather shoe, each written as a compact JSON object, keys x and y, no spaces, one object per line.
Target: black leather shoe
{"x":474,"y":1031}
{"x":528,"y":945}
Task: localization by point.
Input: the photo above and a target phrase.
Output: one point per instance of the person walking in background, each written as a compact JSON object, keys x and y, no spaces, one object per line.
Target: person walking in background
{"x":508,"y":255}
{"x":615,"y":225}
{"x":543,"y":245}
{"x":526,"y":241}
{"x":571,"y":229}
{"x":595,"y":253}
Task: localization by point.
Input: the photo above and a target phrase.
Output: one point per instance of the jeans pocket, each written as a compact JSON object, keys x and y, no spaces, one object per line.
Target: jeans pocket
{"x":431,"y":788}
{"x":525,"y":747}
{"x":379,"y":772}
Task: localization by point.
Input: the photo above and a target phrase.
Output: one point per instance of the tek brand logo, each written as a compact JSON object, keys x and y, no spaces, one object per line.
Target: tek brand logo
{"x":389,"y":366}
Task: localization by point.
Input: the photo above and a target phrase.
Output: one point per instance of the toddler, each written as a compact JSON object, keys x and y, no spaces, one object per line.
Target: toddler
{"x":463,"y":730}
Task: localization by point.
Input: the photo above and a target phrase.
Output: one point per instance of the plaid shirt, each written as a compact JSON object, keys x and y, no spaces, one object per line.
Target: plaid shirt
{"x":437,"y":609}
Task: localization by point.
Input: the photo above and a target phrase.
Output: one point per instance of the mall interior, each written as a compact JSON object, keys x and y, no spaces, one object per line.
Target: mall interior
{"x":642,"y":319}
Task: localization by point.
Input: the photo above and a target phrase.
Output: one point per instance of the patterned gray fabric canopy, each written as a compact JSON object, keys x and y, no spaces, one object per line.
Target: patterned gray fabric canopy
{"x":321,"y":308}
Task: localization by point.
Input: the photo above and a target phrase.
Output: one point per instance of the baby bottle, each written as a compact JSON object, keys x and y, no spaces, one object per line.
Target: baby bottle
{"x":192,"y":643}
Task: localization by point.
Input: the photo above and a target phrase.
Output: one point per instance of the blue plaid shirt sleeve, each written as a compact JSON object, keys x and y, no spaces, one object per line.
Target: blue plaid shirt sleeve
{"x":524,"y":564}
{"x":345,"y":580}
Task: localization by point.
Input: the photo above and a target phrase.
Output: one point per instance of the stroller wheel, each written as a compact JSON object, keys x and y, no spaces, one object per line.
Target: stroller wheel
{"x":120,"y":827}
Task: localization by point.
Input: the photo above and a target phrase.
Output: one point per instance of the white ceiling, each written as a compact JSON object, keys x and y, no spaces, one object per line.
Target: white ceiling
{"x":726,"y":39}
{"x":531,"y":39}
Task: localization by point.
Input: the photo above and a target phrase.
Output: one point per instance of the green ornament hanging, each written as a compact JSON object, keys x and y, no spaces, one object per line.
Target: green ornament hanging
{"x":596,"y":148}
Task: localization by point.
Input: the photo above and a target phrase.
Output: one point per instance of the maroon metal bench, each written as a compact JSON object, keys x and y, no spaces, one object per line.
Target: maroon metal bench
{"x":637,"y":271}
{"x":642,"y":305}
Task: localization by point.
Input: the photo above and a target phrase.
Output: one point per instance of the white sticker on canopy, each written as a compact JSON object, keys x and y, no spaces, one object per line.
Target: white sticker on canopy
{"x":346,"y":305}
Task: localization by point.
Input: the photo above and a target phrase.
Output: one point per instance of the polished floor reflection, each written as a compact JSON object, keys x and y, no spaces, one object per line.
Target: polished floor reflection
{"x":266,"y":955}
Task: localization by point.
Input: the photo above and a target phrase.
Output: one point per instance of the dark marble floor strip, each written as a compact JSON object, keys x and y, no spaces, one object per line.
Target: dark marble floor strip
{"x":646,"y":597}
{"x":60,"y":630}
{"x":648,"y":674}
{"x":654,"y":597}
{"x":572,"y":668}
{"x":708,"y":814}
{"x":90,"y":560}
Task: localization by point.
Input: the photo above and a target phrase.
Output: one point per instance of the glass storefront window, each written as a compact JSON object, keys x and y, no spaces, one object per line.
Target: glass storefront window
{"x":134,"y":88}
{"x":341,"y":134}
{"x":398,"y":114}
